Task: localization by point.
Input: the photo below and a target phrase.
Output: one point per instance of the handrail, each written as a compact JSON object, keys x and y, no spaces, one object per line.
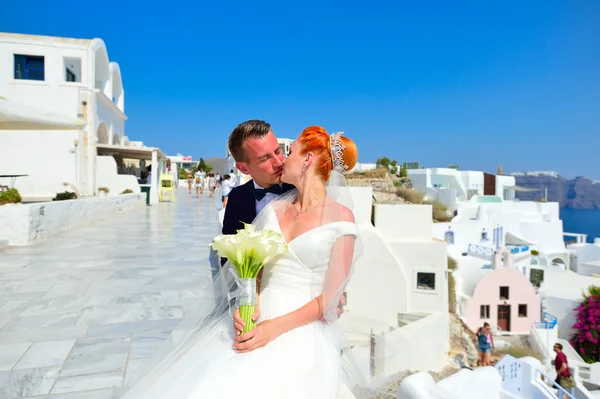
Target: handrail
{"x":561,"y":390}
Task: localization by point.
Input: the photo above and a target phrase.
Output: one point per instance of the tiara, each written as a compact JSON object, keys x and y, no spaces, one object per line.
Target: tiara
{"x":337,"y":152}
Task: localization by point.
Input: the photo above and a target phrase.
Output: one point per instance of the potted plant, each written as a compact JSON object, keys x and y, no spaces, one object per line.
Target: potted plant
{"x":127,"y":191}
{"x":104,"y":190}
{"x":10,"y":196}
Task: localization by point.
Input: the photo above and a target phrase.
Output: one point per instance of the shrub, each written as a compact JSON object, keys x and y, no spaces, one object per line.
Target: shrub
{"x":451,"y":294}
{"x":11,"y":196}
{"x":451,"y":263}
{"x":587,"y":338}
{"x":410,"y":195}
{"x":534,"y":252}
{"x":378,"y":173}
{"x":440,"y":211}
{"x":519,"y":351}
{"x":183,"y":174}
{"x":127,"y":191}
{"x":105,"y":189}
{"x":67,"y":195}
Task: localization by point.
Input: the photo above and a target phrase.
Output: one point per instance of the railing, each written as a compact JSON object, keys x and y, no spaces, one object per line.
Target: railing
{"x":548,"y":321}
{"x":480,"y":250}
{"x":561,"y":390}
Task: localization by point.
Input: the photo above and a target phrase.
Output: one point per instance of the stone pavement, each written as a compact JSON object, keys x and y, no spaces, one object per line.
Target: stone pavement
{"x":78,"y":309}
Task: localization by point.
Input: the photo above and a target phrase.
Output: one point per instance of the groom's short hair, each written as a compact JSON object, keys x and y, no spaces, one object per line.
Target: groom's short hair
{"x":245,"y":130}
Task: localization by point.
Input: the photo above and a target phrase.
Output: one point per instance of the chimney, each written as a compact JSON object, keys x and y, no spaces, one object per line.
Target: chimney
{"x":499,"y":170}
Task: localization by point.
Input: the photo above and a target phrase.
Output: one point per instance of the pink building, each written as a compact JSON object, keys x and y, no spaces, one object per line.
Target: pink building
{"x":505,"y":299}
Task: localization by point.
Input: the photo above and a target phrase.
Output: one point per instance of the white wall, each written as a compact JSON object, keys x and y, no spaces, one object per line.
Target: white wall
{"x":45,"y":155}
{"x":421,"y":345}
{"x":404,"y":222}
{"x":24,"y":224}
{"x":484,"y":382}
{"x":107,"y":176}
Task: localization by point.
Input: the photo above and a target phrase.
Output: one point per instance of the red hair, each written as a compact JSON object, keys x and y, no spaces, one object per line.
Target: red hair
{"x":315,"y":139}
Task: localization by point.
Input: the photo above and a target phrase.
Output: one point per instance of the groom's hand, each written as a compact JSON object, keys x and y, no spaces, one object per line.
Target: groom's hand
{"x":238,"y":323}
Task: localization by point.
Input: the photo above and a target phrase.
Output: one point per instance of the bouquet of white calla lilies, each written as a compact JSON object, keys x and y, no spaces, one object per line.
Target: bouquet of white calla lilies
{"x":248,"y":251}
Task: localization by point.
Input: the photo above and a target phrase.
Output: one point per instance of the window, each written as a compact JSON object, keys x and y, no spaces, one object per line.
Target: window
{"x":70,"y":76}
{"x":426,"y":281}
{"x":484,"y":312}
{"x":504,"y":293}
{"x":29,"y":67}
{"x":522,"y":310}
{"x":72,"y":68}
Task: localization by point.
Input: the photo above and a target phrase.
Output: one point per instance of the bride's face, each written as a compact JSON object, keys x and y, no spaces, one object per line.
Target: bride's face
{"x":293,"y":164}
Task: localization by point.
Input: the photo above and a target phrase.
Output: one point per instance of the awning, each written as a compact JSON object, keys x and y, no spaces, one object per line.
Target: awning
{"x":131,"y":152}
{"x":522,"y":189}
{"x":15,"y":116}
{"x":511,"y":239}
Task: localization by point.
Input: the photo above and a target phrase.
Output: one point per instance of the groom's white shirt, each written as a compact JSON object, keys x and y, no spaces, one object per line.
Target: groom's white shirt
{"x":263,"y":202}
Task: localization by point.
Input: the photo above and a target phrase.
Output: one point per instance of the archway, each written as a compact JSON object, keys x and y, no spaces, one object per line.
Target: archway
{"x":116,"y":139}
{"x":102,"y":134}
{"x":559,"y":262}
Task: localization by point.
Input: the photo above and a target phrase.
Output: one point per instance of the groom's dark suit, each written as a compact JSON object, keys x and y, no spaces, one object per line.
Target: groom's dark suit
{"x":241,"y":208}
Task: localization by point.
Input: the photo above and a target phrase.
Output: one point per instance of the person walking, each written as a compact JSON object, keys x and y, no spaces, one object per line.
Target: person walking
{"x":226,"y":188}
{"x":563,"y":375}
{"x":485,"y":343}
{"x":190,"y":180}
{"x":200,"y":176}
{"x":212,"y":184}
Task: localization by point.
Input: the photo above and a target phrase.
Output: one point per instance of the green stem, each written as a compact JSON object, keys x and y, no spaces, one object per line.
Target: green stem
{"x":246,"y":312}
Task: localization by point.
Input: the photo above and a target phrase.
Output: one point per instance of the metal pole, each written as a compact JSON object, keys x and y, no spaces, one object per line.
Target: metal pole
{"x":372,"y":360}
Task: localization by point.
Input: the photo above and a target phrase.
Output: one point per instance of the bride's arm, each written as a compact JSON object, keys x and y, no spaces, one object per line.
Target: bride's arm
{"x":323,"y":306}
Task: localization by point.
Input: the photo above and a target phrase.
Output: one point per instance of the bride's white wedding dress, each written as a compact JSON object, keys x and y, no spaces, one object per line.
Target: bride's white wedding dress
{"x":302,"y":363}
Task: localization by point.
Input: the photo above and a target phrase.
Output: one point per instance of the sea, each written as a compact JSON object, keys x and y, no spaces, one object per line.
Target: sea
{"x":583,"y":221}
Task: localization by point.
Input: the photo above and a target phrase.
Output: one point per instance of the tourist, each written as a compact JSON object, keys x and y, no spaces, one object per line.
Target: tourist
{"x":563,"y":375}
{"x":212,"y":184}
{"x":149,"y":175}
{"x":200,"y":176}
{"x":190,"y":179}
{"x":218,"y":179}
{"x":226,"y":189}
{"x":485,"y":343}
{"x":234,"y":180}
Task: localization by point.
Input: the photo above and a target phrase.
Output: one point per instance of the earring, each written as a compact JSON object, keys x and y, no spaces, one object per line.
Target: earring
{"x":303,"y":170}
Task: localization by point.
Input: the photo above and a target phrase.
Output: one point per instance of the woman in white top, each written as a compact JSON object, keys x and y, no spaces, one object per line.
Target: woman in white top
{"x":226,"y":187}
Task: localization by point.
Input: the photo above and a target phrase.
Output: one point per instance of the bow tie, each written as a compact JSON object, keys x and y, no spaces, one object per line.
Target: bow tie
{"x":259,"y":193}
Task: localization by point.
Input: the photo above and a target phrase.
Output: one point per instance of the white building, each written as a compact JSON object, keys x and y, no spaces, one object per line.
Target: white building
{"x":400,"y":284}
{"x":62,"y":119}
{"x":450,"y":186}
{"x":585,"y":258}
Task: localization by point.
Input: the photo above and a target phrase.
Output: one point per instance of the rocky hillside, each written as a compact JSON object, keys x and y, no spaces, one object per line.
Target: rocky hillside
{"x":578,"y":193}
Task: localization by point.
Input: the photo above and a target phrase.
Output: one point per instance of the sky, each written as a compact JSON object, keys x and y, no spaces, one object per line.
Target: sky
{"x":474,"y":83}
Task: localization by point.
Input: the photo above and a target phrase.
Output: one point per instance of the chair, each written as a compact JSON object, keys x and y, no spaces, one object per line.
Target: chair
{"x":166,"y":185}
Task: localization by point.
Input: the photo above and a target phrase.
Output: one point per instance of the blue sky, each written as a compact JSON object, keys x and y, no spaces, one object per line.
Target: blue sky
{"x":509,"y":83}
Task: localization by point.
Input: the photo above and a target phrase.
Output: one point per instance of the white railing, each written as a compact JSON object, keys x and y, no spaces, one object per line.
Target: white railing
{"x":561,"y":390}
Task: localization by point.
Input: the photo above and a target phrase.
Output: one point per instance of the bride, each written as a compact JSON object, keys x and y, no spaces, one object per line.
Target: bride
{"x":295,"y":350}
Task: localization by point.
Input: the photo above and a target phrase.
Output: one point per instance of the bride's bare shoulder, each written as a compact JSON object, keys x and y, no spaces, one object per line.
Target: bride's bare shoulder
{"x":337,"y":212}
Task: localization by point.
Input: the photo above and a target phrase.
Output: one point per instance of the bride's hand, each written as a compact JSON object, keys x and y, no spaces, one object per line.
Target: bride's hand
{"x":238,"y":323}
{"x":264,"y":333}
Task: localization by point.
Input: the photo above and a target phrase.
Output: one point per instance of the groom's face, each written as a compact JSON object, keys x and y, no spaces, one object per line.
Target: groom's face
{"x":264,"y":160}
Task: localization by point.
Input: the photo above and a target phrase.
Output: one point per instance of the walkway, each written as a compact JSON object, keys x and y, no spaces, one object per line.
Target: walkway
{"x":78,"y":309}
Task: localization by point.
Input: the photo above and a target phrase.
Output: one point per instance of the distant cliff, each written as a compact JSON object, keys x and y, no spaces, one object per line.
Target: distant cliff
{"x":577,"y":193}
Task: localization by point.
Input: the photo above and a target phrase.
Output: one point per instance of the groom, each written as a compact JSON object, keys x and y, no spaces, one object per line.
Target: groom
{"x":258,"y":154}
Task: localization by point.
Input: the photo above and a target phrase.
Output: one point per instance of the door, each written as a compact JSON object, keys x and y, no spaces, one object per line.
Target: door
{"x":489,"y":184}
{"x":504,"y":317}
